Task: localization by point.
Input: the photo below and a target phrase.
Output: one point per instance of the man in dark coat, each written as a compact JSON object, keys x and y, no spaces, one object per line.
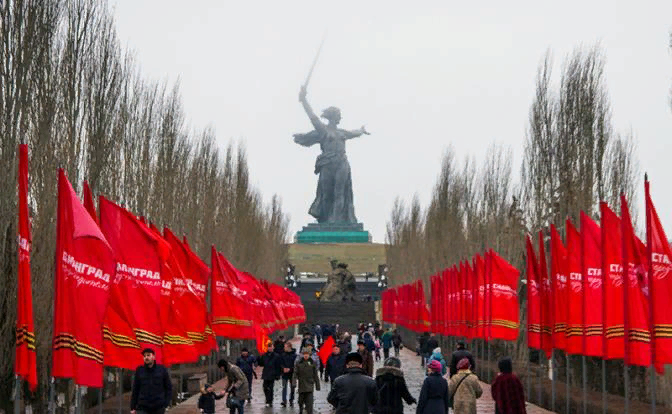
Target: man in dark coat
{"x":288,"y":359}
{"x":396,"y":342}
{"x":422,"y":346}
{"x":392,"y":388}
{"x":367,"y":358}
{"x":457,"y":357}
{"x":152,"y":389}
{"x":431,"y":345}
{"x":279,"y":345}
{"x":335,"y":366}
{"x":434,"y":396}
{"x":353,"y":392}
{"x":305,"y":373}
{"x":507,"y":390}
{"x":272,"y":364}
{"x":246,"y":363}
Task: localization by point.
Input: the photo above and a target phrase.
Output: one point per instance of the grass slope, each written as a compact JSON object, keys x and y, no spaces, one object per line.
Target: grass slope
{"x":360,"y":257}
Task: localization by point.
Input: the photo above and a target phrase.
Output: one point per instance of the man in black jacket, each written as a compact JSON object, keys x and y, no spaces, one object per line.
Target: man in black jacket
{"x":288,"y":358}
{"x":353,"y":392}
{"x":335,"y":364}
{"x":457,"y":357}
{"x":392,"y":388}
{"x":152,"y":389}
{"x":431,"y":345}
{"x":272,"y":364}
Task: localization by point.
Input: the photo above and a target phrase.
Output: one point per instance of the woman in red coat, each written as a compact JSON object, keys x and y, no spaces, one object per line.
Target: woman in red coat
{"x":507,"y":390}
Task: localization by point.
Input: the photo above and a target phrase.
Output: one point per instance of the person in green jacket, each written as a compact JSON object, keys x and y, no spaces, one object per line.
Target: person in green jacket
{"x":386,"y":339}
{"x":305,"y":373}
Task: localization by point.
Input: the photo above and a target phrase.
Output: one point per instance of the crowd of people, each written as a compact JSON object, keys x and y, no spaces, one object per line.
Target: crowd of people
{"x":353,"y":386}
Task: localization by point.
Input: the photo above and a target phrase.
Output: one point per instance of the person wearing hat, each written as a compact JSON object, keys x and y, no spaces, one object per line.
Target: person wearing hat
{"x":367,"y":358}
{"x":335,"y":364}
{"x":465,"y":389}
{"x":206,"y":402}
{"x":392,"y":388}
{"x":238,"y":388}
{"x":354,"y":392}
{"x":152,"y":389}
{"x":246,"y":363}
{"x":305,"y":374}
{"x":434,"y":396}
{"x":458,"y":355}
{"x":288,"y":361}
{"x":272,"y":371}
{"x":507,"y":390}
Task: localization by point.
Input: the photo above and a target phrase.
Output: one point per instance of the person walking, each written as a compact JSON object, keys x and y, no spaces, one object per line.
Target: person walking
{"x":434,"y":398}
{"x":367,"y":358}
{"x":246,"y":363}
{"x":437,"y":356}
{"x":305,"y":373}
{"x":346,"y":343}
{"x":272,"y":370}
{"x":353,"y":392}
{"x":396,"y":342}
{"x":391,"y":386}
{"x":386,"y":339}
{"x":464,"y":389}
{"x":458,"y":355}
{"x":206,"y":402}
{"x":288,"y":359}
{"x":507,"y":390}
{"x":237,"y":388}
{"x":318,"y":335}
{"x":422,"y":348}
{"x":152,"y":389}
{"x":429,"y":345}
{"x":335,"y":366}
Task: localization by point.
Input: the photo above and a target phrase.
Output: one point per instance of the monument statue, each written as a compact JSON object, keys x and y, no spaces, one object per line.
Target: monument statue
{"x":334,"y":200}
{"x":340,"y":285}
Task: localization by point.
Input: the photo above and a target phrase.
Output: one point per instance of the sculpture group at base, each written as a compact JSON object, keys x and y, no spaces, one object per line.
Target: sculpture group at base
{"x":340,"y":286}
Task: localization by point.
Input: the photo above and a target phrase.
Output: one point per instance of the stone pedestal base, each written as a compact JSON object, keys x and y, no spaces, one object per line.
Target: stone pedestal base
{"x":333,"y":233}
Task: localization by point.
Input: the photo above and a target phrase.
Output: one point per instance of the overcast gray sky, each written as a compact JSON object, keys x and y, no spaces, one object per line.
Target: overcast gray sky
{"x":420,"y":75}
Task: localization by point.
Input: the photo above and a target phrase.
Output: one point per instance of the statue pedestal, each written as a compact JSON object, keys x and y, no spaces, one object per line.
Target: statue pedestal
{"x":333,"y":233}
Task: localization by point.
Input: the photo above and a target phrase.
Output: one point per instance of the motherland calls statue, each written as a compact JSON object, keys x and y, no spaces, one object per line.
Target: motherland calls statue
{"x":334,"y":200}
{"x":340,"y":285}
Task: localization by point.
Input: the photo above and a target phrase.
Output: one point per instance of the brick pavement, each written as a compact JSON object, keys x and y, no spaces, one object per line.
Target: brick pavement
{"x":413,"y":372}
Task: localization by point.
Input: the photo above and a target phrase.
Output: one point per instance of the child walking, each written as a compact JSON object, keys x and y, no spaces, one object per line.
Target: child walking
{"x":206,"y":402}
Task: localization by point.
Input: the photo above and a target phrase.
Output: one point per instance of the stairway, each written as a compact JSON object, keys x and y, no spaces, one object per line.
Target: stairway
{"x":347,"y":314}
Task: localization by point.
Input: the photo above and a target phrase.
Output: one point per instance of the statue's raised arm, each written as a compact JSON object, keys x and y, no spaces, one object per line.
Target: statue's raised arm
{"x":314,"y":119}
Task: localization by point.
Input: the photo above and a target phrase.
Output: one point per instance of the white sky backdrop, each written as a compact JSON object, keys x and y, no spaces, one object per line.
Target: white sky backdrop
{"x":421,"y":75}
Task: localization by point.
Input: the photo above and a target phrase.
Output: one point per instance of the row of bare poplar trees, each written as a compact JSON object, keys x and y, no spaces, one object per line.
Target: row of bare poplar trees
{"x":572,"y":159}
{"x":77,"y":98}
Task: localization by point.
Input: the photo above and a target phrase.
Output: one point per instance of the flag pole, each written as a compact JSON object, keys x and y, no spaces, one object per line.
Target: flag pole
{"x":652,"y":323}
{"x":604,"y":387}
{"x":625,"y":274}
{"x":584,"y":369}
{"x":52,"y":404}
{"x":17,"y":394}
{"x":552,"y":366}
{"x":121,"y":386}
{"x":541,"y":375}
{"x":100,"y":398}
{"x":567,"y":387}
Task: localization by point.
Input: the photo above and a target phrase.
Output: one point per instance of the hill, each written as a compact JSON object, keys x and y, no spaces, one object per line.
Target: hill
{"x":360,"y":257}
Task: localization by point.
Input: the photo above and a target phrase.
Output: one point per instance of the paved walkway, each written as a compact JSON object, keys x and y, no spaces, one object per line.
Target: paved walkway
{"x":413,"y":372}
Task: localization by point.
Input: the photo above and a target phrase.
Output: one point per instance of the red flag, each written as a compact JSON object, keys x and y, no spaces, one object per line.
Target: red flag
{"x":25,"y":364}
{"x":661,"y":283}
{"x":591,"y":267}
{"x":84,"y":268}
{"x":504,"y":299}
{"x":488,"y":295}
{"x":546,"y":300}
{"x":140,"y":254}
{"x":88,"y":201}
{"x":559,"y":285}
{"x":468,"y":301}
{"x":533,"y":298}
{"x":262,"y":339}
{"x":574,"y":333}
{"x":612,"y":288}
{"x":635,"y":294}
{"x":479,"y":296}
{"x":190,"y":288}
{"x":228,"y":303}
{"x":326,"y":349}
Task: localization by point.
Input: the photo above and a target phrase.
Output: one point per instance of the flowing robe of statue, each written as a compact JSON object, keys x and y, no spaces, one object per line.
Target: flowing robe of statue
{"x":334,"y":200}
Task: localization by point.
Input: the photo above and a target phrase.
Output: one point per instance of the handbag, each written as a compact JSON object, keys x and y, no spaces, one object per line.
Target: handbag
{"x":450,"y":400}
{"x":231,"y":401}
